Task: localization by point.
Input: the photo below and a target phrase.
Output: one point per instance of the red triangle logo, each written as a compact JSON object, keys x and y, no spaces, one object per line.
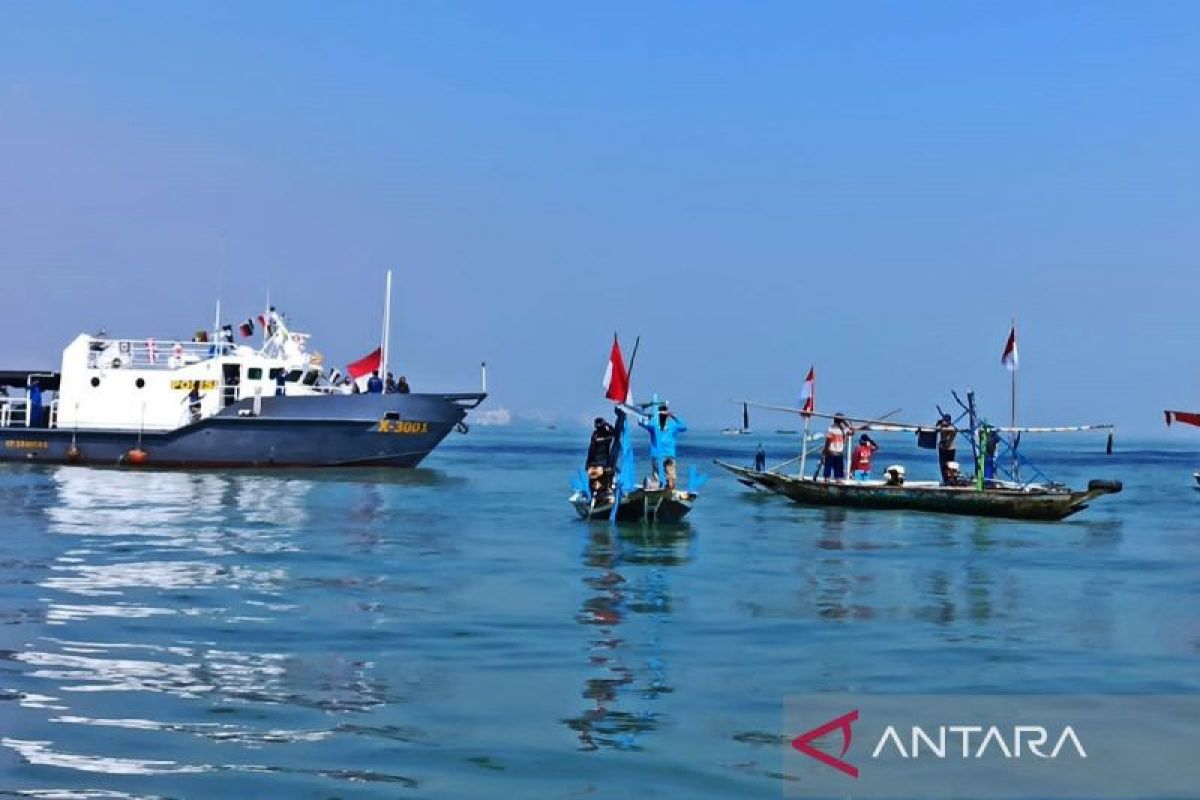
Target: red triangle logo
{"x":804,"y":741}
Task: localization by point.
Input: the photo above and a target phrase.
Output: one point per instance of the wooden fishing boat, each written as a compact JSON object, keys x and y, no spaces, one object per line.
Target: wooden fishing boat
{"x":639,"y":505}
{"x":1011,"y":501}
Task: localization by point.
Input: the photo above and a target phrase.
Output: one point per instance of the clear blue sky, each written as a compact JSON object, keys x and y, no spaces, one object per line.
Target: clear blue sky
{"x":875,"y":188}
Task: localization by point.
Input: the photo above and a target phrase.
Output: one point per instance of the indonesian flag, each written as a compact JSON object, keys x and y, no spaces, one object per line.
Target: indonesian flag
{"x":1185,"y":417}
{"x":247,"y":328}
{"x":1010,"y":359}
{"x":616,"y":379}
{"x":808,"y":393}
{"x":360,"y":371}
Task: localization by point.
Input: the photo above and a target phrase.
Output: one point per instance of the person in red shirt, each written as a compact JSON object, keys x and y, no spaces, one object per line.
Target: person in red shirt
{"x":860,"y":461}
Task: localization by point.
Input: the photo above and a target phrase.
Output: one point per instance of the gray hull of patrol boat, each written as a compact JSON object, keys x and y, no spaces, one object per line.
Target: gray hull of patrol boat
{"x":371,"y":430}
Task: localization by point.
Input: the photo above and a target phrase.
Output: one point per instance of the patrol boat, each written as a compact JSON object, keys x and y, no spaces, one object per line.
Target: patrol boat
{"x":132,"y":402}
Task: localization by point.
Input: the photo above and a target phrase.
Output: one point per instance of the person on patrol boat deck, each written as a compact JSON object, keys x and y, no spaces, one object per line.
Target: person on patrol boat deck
{"x":280,"y":383}
{"x":193,"y":401}
{"x":833,"y":455}
{"x":389,"y":386}
{"x":860,"y":459}
{"x":35,"y":404}
{"x":663,"y":434}
{"x":374,"y":384}
{"x":402,"y":385}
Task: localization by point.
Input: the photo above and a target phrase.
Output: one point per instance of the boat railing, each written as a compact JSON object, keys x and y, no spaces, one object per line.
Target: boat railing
{"x":14,"y":412}
{"x":151,"y":353}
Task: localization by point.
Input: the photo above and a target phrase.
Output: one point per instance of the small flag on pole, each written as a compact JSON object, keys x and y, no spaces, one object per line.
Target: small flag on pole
{"x":227,"y":333}
{"x":1010,"y":358}
{"x":808,"y":393}
{"x":616,"y":379}
{"x":360,"y":371}
{"x":247,"y":328}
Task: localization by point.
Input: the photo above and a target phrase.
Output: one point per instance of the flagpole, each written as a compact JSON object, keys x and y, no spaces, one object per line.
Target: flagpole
{"x":387,"y":325}
{"x":1013,"y":395}
{"x":804,"y":443}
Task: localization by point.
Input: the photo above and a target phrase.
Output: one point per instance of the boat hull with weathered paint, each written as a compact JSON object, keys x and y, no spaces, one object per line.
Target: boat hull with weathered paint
{"x":640,"y":505}
{"x":1030,"y":503}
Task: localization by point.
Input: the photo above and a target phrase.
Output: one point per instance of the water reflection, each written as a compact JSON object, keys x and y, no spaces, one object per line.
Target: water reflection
{"x":152,"y":570}
{"x":629,"y":599}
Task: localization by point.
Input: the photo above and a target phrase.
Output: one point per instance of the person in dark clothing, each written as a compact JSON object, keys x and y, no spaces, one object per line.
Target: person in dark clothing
{"x":402,"y":385}
{"x":760,"y":459}
{"x":947,"y":445}
{"x":599,"y":457}
{"x":375,"y":383}
{"x":280,"y":383}
{"x":389,"y":386}
{"x":991,"y":442}
{"x":601,"y":443}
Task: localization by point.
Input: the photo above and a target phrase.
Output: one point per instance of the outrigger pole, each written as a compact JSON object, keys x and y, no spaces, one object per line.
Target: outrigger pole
{"x":908,"y":427}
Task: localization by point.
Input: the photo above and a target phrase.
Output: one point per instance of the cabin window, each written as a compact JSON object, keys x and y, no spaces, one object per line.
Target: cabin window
{"x":294,"y":375}
{"x":95,"y":382}
{"x":140,"y":383}
{"x":310,"y":378}
{"x":392,"y":416}
{"x":254,"y":374}
{"x":275,"y":372}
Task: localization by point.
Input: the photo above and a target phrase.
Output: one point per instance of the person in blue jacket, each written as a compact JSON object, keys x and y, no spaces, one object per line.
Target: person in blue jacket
{"x":664,"y":428}
{"x":35,"y":404}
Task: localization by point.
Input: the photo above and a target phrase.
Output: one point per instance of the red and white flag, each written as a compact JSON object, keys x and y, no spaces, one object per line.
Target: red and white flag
{"x":808,"y":393}
{"x":1010,"y":359}
{"x":360,"y":371}
{"x":616,"y":379}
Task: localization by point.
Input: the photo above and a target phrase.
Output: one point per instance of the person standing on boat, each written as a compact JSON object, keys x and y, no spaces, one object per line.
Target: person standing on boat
{"x":193,"y":402}
{"x":860,"y":461}
{"x":760,"y":459}
{"x":389,"y":386}
{"x":35,"y":404}
{"x":402,"y":386}
{"x":599,"y":456}
{"x":833,"y":455}
{"x":374,"y":383}
{"x":991,"y":442}
{"x":663,"y":434}
{"x":947,"y":445}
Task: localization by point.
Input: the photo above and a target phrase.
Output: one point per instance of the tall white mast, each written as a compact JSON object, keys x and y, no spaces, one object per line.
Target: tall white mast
{"x":387,"y":325}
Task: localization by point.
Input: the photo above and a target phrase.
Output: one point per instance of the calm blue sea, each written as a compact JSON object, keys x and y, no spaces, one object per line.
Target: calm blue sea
{"x":455,"y":631}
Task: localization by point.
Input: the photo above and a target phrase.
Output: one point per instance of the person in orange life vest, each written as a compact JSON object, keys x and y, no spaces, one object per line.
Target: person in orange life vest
{"x":833,"y":456}
{"x":860,"y":460}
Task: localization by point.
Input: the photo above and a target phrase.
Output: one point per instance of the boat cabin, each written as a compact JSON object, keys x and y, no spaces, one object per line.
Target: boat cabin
{"x":146,"y":384}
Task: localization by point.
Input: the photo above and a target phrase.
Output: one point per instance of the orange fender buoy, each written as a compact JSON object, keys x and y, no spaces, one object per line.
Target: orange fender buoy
{"x":136,"y":456}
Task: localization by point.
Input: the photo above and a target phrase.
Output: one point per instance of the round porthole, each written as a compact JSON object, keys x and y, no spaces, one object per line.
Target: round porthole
{"x":95,"y":382}
{"x":140,"y":383}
